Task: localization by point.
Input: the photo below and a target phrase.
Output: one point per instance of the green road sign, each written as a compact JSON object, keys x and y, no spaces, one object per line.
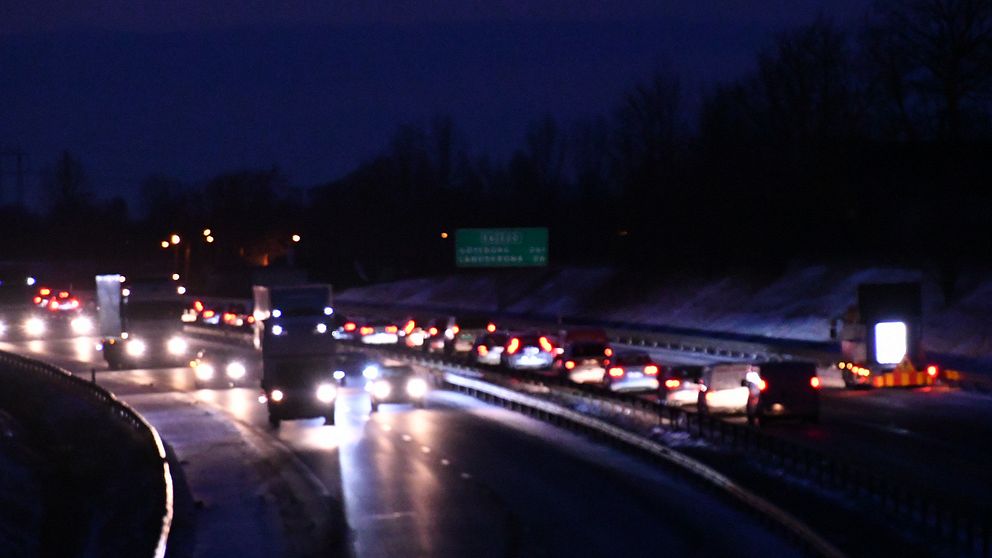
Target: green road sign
{"x":501,"y":247}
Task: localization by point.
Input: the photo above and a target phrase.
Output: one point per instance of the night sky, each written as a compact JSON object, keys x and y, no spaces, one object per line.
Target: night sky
{"x":195,"y":88}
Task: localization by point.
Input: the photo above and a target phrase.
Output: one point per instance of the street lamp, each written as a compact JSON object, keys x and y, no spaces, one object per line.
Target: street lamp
{"x":165,"y":244}
{"x":174,"y":239}
{"x":207,"y":232}
{"x":296,"y":238}
{"x":210,"y":240}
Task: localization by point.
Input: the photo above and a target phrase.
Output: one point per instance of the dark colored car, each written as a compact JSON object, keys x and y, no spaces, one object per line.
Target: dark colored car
{"x":396,"y":384}
{"x":296,"y":392}
{"x":784,"y":389}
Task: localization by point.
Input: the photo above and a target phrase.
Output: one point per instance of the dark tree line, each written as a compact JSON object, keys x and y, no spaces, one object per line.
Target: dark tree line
{"x":867,"y":144}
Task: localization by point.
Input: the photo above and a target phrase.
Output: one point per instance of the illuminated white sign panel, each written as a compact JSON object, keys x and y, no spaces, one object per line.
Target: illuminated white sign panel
{"x":890,"y":342}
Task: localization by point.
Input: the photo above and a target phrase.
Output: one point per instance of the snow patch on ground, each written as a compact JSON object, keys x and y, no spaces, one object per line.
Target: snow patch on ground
{"x":800,"y":303}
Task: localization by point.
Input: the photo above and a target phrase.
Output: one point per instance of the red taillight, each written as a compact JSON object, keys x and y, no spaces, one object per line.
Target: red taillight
{"x":608,"y":352}
{"x":432,"y":331}
{"x":45,"y":291}
{"x":73,"y":303}
{"x":814,"y":382}
{"x":651,"y":370}
{"x":569,"y":364}
{"x":63,"y":294}
{"x":672,"y":383}
{"x":616,"y":372}
{"x":514,"y":346}
{"x":198,"y":306}
{"x":545,"y":344}
{"x":228,"y":317}
{"x":932,"y":371}
{"x":366,"y":330}
{"x":209,"y":313}
{"x":251,"y":319}
{"x":392,"y":329}
{"x":53,"y":305}
{"x":350,"y":326}
{"x":763,"y":385}
{"x":409,"y":327}
{"x":455,"y":329}
{"x":491,"y":327}
{"x":37,"y":300}
{"x":483,"y":350}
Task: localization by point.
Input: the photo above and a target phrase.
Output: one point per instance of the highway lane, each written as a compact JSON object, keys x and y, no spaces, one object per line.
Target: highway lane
{"x":459,"y":478}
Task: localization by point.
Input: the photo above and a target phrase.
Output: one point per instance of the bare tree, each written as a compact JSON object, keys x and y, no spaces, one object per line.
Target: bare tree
{"x":945,"y":48}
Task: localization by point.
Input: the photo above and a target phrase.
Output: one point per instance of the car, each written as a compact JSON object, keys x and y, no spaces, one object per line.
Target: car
{"x":293,"y":393}
{"x":348,"y":328}
{"x":723,"y":388}
{"x":528,"y":351}
{"x":465,"y":332}
{"x":583,"y":361}
{"x":438,"y":333}
{"x":489,"y":348}
{"x":679,"y":385}
{"x":218,"y":369}
{"x":631,"y":371}
{"x":379,"y":332}
{"x":349,"y":366}
{"x":783,"y":389}
{"x":395,"y":384}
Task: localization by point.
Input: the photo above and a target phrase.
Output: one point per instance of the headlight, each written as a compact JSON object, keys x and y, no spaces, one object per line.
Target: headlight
{"x":177,"y":346}
{"x":277,"y":330}
{"x":326,"y":393}
{"x":135,"y":347}
{"x":416,"y":387}
{"x":81,"y":325}
{"x":276,"y":395}
{"x":371,"y":372}
{"x":235,"y":370}
{"x":3,"y":328}
{"x":381,"y":389}
{"x":321,"y":328}
{"x":339,"y":374}
{"x":205,"y":372}
{"x":34,"y":326}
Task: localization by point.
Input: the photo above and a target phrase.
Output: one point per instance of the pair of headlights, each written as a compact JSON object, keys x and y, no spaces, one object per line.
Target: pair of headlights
{"x":415,"y":388}
{"x":326,"y":393}
{"x":234,"y":371}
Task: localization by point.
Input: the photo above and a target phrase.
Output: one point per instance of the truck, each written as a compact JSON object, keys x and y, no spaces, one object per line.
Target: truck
{"x":140,"y":323}
{"x":293,"y":329}
{"x":881,"y":338}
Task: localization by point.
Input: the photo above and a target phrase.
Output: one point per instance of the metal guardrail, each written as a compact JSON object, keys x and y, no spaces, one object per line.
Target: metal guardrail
{"x":125,"y":415}
{"x":967,"y":530}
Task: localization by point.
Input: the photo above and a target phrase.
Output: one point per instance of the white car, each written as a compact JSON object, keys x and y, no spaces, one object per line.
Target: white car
{"x":632,"y":371}
{"x":489,"y":348}
{"x":528,"y":352}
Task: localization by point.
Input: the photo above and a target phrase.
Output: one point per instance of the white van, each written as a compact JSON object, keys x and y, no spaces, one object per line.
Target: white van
{"x":724,"y":389}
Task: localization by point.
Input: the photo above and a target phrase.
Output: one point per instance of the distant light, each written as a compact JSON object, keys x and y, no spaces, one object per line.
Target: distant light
{"x":207,"y":232}
{"x":444,"y":235}
{"x":210,"y":240}
{"x":277,"y":330}
{"x":122,"y":278}
{"x":932,"y":371}
{"x":277,"y":313}
{"x":321,"y":328}
{"x":890,"y":342}
{"x":181,"y":290}
{"x":328,"y":310}
{"x":126,"y":292}
{"x":296,"y":238}
{"x":174,"y":239}
{"x":31,"y":281}
{"x":175,"y":276}
{"x":164,"y":244}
